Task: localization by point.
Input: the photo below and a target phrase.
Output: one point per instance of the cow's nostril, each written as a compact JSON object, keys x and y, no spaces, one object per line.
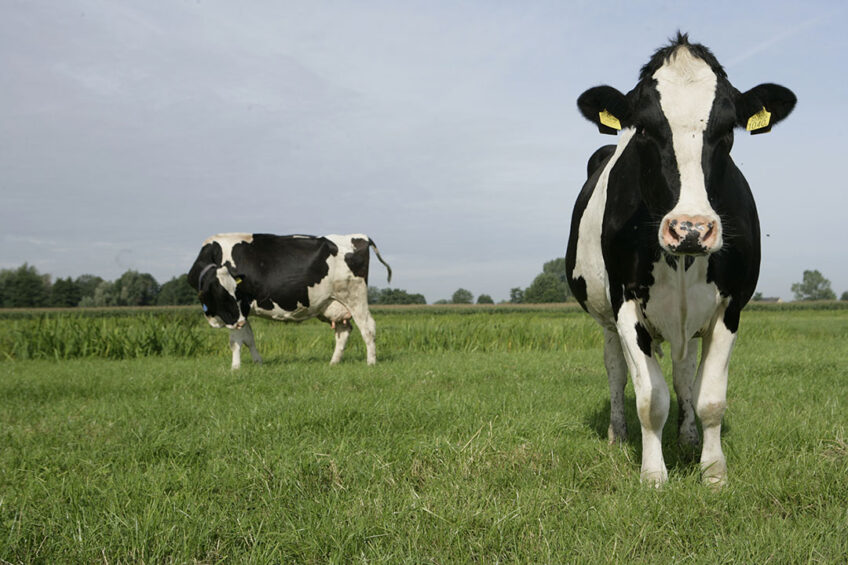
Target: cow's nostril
{"x":672,"y":231}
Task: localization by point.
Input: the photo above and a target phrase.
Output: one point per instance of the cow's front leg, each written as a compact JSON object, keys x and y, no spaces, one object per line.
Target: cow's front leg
{"x":342,"y":331}
{"x":243,"y":335}
{"x":684,"y":376}
{"x":710,"y":393}
{"x":652,"y":398}
{"x":617,"y":376}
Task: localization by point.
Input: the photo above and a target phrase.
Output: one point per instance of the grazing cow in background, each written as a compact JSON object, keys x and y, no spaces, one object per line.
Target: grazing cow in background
{"x":665,"y":242}
{"x":289,"y":278}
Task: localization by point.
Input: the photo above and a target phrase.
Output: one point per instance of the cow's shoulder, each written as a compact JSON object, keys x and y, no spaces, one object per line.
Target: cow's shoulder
{"x":598,"y":159}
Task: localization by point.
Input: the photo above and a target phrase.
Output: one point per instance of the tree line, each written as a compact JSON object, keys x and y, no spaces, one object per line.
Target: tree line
{"x":25,"y":287}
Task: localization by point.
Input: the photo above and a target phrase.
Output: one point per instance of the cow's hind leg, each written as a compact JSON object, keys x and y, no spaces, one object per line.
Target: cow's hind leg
{"x":617,"y":376}
{"x":342,"y":330}
{"x":244,"y":336}
{"x":652,"y":398}
{"x":684,"y":377}
{"x":367,"y":327}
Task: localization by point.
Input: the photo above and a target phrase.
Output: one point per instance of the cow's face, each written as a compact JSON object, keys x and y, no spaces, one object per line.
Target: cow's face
{"x":219,"y":297}
{"x":683,"y":112}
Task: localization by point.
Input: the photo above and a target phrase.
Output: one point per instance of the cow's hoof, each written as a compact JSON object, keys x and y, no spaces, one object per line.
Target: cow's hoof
{"x":654,"y":478}
{"x":690,"y":446}
{"x":714,"y":474}
{"x":616,"y":434}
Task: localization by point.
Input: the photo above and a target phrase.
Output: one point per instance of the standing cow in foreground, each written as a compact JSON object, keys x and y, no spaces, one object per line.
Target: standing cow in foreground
{"x":289,"y":278}
{"x":665,"y":242}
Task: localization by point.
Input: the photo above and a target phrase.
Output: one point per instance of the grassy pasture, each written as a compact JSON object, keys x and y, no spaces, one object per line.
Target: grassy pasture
{"x":478,"y":437}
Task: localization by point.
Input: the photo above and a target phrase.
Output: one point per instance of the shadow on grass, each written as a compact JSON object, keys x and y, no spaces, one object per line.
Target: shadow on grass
{"x":355,"y":358}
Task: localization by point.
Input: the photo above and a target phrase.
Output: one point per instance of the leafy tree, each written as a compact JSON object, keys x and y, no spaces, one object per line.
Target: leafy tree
{"x":177,"y":291}
{"x":462,"y":296}
{"x":814,"y":287}
{"x":393,"y":296}
{"x":516,"y":295}
{"x":549,"y":286}
{"x":88,"y":284}
{"x":103,"y":295}
{"x":485,"y":299}
{"x":844,"y":296}
{"x":24,"y":287}
{"x":546,"y":287}
{"x":757,"y":296}
{"x":65,"y":293}
{"x":136,"y":289}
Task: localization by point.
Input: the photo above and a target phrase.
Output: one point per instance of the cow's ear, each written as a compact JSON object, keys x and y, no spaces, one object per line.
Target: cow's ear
{"x":763,"y":106}
{"x":606,"y":107}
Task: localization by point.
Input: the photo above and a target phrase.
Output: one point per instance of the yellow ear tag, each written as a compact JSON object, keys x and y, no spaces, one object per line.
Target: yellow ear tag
{"x":238,"y":280}
{"x":759,"y":120}
{"x":609,"y":120}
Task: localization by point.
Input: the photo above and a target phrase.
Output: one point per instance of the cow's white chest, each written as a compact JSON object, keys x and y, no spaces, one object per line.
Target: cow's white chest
{"x":589,"y":263}
{"x":681,"y":302}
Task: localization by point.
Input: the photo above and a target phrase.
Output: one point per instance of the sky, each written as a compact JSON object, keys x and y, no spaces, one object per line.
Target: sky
{"x":130,"y":131}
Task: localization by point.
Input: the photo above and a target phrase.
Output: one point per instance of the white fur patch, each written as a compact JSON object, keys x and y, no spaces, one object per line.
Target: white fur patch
{"x":681,"y":303}
{"x":589,"y":262}
{"x":227,"y":241}
{"x":687,"y":85}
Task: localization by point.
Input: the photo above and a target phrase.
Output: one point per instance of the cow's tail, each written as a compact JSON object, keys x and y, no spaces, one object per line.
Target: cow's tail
{"x":377,"y":252}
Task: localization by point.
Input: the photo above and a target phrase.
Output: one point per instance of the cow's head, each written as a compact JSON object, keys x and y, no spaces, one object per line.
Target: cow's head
{"x":680,"y":119}
{"x":221,"y":297}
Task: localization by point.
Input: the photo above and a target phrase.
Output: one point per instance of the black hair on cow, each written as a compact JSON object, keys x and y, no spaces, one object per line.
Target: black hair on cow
{"x":682,"y":40}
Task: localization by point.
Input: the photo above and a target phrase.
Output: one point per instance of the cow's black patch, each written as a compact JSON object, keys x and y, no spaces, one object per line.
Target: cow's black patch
{"x":280,"y":269}
{"x":210,"y":254}
{"x":731,"y":316}
{"x":215,"y":299}
{"x":643,"y":339}
{"x":628,"y":238}
{"x":578,"y":289}
{"x":598,"y":159}
{"x":357,"y":260}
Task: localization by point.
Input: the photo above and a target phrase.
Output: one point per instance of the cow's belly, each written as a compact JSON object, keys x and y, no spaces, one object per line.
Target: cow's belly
{"x":679,"y":305}
{"x":320,"y":296}
{"x":276,"y":313}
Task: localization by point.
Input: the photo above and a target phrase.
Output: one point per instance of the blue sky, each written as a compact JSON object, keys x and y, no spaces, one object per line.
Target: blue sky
{"x":448,"y":131}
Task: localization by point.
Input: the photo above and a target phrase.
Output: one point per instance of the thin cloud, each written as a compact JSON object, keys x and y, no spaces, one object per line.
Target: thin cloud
{"x":781,"y":37}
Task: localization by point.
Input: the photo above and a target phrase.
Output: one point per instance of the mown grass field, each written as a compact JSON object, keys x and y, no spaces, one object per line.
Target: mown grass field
{"x":479,"y":437}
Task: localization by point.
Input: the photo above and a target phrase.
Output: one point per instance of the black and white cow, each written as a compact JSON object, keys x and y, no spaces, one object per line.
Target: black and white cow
{"x":665,"y":242}
{"x":289,"y":278}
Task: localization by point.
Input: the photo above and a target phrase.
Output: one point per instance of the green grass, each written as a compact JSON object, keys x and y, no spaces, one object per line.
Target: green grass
{"x":484,"y":443}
